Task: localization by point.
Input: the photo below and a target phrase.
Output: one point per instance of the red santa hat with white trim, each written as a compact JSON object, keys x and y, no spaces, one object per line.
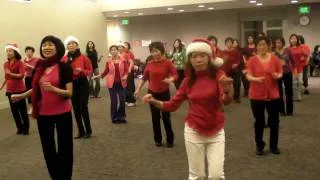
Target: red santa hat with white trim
{"x":204,"y":46}
{"x":70,"y":39}
{"x":13,"y":47}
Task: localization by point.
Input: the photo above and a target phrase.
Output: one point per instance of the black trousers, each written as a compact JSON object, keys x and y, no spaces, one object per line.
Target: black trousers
{"x":19,"y":113}
{"x":28,"y":84}
{"x":178,"y":82}
{"x":80,"y":98}
{"x":59,"y":159}
{"x":245,"y":83}
{"x":305,"y":76}
{"x":166,"y":118}
{"x":287,"y":107}
{"x":131,"y":88}
{"x":258,"y":109}
{"x":236,"y":76}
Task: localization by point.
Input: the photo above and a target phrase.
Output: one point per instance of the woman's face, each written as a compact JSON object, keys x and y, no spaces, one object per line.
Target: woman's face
{"x":229,"y":44}
{"x":213,"y":42}
{"x":176,"y":44}
{"x":114,"y":51}
{"x":279,"y":44}
{"x":318,"y":50}
{"x":29,"y":53}
{"x":10,"y":53}
{"x":156,"y":54}
{"x":250,"y":40}
{"x":262,"y":47}
{"x":293,"y":40}
{"x":48,"y":49}
{"x":121,"y":49}
{"x":90,"y":45}
{"x":199,"y":61}
{"x":72,"y":46}
{"x":235,"y":44}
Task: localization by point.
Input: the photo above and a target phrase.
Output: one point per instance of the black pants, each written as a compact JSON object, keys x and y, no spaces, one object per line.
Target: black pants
{"x":305,"y":76}
{"x":80,"y":98}
{"x":19,"y":113}
{"x":236,"y":76}
{"x":131,"y":88}
{"x":28,"y":83}
{"x":59,"y":159}
{"x":286,"y":80}
{"x":118,"y":110}
{"x":245,"y":83}
{"x":180,"y":79}
{"x":258,"y":109}
{"x":166,"y":118}
{"x":94,"y":90}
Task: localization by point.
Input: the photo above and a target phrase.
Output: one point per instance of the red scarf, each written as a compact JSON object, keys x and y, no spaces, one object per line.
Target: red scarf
{"x":42,"y":65}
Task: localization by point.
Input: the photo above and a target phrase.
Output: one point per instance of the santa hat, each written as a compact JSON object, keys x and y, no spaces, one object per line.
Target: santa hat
{"x":71,"y":39}
{"x":204,"y":46}
{"x":122,"y":44}
{"x":12,"y":46}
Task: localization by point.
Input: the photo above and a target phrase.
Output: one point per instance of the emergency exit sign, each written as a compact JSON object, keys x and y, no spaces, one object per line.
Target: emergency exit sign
{"x":304,"y":10}
{"x":124,"y":21}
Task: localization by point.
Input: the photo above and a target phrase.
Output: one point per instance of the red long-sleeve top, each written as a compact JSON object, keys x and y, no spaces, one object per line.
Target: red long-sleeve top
{"x":205,"y":114}
{"x":80,"y":62}
{"x":231,"y":57}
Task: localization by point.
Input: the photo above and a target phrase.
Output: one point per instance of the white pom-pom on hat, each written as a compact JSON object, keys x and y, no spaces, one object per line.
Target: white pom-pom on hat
{"x":217,"y":62}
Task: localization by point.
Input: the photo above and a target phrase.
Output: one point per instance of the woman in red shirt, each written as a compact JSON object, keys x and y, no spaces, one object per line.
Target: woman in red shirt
{"x":248,"y":52}
{"x":14,"y":74}
{"x":299,"y":57}
{"x":264,"y":71}
{"x":51,"y":90}
{"x":131,"y":88}
{"x":160,"y":72}
{"x":29,"y":65}
{"x":207,"y":89}
{"x":82,"y":68}
{"x":215,"y":48}
{"x":116,"y":74}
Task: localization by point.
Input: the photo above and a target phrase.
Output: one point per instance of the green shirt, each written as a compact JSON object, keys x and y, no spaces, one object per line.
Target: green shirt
{"x":179,"y":59}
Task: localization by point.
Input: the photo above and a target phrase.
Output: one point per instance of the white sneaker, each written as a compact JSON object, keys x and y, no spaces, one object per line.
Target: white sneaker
{"x":30,"y":111}
{"x":131,"y":104}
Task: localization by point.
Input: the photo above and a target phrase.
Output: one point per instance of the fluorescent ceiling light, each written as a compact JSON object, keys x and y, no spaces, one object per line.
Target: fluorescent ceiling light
{"x":181,"y":10}
{"x":201,"y":6}
{"x":252,"y":1}
{"x":140,"y":14}
{"x":211,"y":8}
{"x":294,"y":1}
{"x":115,"y":16}
{"x":170,"y":9}
{"x":126,"y":12}
{"x":259,"y":4}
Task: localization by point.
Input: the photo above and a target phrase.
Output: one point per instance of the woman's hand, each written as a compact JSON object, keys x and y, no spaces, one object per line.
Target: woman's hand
{"x":147,"y":98}
{"x":96,"y":77}
{"x":259,"y":79}
{"x":124,"y":78}
{"x":7,"y":71}
{"x":77,"y":71}
{"x":47,"y":86}
{"x":226,"y":82}
{"x":136,"y":93}
{"x":16,"y":97}
{"x":276,"y":76}
{"x":168,"y":80}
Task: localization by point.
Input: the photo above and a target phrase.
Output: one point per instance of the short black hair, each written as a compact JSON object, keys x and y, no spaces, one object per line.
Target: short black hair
{"x":113,"y":46}
{"x":263,"y":38}
{"x":228,"y":39}
{"x":281,"y":39}
{"x":128,"y":44}
{"x":29,"y":48}
{"x":210,"y":38}
{"x":57,"y":42}
{"x":157,"y":45}
{"x":261,"y":34}
{"x":294,"y":35}
{"x":301,"y":39}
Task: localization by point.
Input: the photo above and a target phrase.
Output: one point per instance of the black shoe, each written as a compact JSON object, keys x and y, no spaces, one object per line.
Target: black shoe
{"x":79,"y":136}
{"x":123,"y":121}
{"x":266,"y":126}
{"x":25,"y":132}
{"x":19,"y":131}
{"x":259,"y":150}
{"x":116,"y":122}
{"x":289,"y":114}
{"x":283,"y":114}
{"x":169,"y":145}
{"x":275,"y":151}
{"x":158,"y":144}
{"x":87,"y":135}
{"x":306,"y":92}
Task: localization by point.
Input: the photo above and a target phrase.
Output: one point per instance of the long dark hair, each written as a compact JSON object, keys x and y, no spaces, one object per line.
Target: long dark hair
{"x":192,"y":73}
{"x":88,"y":49}
{"x":298,"y":41}
{"x":17,"y":56}
{"x":180,"y":45}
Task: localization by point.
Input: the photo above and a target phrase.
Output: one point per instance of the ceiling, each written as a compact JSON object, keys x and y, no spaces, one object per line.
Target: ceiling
{"x":129,"y":8}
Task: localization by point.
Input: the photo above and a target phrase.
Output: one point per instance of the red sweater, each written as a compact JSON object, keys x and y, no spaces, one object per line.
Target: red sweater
{"x":80,"y":62}
{"x":156,"y":71}
{"x":267,"y":90}
{"x":15,"y":85}
{"x":205,"y":103}
{"x":299,"y":56}
{"x":231,"y":57}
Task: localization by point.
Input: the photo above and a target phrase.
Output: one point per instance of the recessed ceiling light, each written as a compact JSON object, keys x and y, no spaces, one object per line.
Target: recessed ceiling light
{"x":294,"y":1}
{"x":211,"y":8}
{"x":181,"y":10}
{"x":201,"y":6}
{"x":259,"y":4}
{"x":126,"y":12}
{"x":170,"y":9}
{"x":115,"y":15}
{"x":140,"y":14}
{"x":252,"y":1}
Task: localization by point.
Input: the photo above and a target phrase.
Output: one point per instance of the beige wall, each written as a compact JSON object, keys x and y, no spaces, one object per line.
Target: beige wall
{"x":27,"y":23}
{"x":201,"y":24}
